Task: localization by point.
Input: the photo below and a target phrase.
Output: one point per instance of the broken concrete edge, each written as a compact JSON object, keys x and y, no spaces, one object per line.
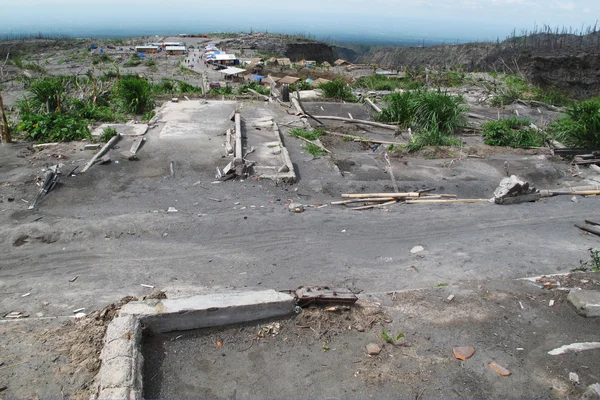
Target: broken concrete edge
{"x":586,"y":302}
{"x":287,"y":177}
{"x":120,"y":375}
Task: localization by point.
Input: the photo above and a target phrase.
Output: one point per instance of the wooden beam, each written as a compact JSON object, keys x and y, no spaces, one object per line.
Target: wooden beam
{"x":447,"y":201}
{"x":373,"y":106}
{"x":5,"y":131}
{"x":102,"y":151}
{"x":370,"y":195}
{"x":389,"y":203}
{"x":366,"y":140}
{"x":357,"y":121}
{"x":373,"y":200}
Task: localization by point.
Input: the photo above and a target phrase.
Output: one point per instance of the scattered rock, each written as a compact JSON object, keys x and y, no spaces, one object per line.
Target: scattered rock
{"x":499,"y":369}
{"x":417,"y":249}
{"x":172,"y":210}
{"x":574,"y":199}
{"x":573,"y":377}
{"x":373,"y":349}
{"x":360,"y":328}
{"x":513,"y":190}
{"x":592,"y":392}
{"x":296,"y":208}
{"x":586,"y":302}
{"x":464,"y":352}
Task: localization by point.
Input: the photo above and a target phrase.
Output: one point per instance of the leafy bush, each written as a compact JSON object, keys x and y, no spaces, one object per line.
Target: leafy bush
{"x":150,"y":62}
{"x":185,"y":87}
{"x":313,"y":150}
{"x":135,"y":94}
{"x":134,"y":61}
{"x":513,"y":132}
{"x":107,"y":134}
{"x":165,"y":86}
{"x":95,"y":112}
{"x":53,"y":127}
{"x":581,"y":125}
{"x":256,"y":87}
{"x":35,"y":68}
{"x":431,"y":137}
{"x":424,"y":110}
{"x":47,"y":94}
{"x":103,"y":58}
{"x":337,"y":89}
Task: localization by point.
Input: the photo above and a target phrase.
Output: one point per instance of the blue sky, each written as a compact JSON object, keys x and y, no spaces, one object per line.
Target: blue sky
{"x":447,"y":19}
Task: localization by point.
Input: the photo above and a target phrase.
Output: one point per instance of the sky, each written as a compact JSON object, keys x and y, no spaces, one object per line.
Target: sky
{"x":387,"y":19}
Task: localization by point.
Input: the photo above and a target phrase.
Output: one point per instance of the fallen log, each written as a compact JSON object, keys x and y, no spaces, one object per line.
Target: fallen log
{"x":589,"y":228}
{"x":394,"y":184}
{"x":102,"y":151}
{"x":447,"y":201}
{"x":533,"y":103}
{"x":366,"y":140}
{"x":373,"y":106}
{"x":389,"y":203}
{"x":375,"y":199}
{"x":358,"y":121}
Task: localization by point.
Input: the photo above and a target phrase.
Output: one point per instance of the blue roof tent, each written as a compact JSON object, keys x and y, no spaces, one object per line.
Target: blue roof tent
{"x":257,"y":77}
{"x":142,"y":55}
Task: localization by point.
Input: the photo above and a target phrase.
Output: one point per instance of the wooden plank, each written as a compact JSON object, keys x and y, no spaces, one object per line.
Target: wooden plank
{"x":324,"y":294}
{"x":447,"y":201}
{"x":373,"y":200}
{"x":357,"y":121}
{"x":366,"y":140}
{"x":137,"y":145}
{"x":372,"y":105}
{"x":389,"y":203}
{"x":102,"y":151}
{"x":369,"y":195}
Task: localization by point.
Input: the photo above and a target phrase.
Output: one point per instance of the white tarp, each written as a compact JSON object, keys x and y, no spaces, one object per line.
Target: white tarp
{"x":232,"y":71}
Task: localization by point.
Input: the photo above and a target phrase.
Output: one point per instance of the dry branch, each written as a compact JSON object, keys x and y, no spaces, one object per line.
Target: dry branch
{"x":357,"y":121}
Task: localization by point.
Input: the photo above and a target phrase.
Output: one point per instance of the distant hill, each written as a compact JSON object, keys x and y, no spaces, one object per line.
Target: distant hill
{"x":568,"y":61}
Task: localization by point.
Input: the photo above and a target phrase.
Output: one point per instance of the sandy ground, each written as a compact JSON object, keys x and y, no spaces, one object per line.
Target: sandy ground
{"x":322,"y":354}
{"x":99,"y":236}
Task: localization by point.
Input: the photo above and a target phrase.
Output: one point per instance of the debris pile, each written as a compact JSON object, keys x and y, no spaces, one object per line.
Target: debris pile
{"x":234,"y":148}
{"x":514,"y":190}
{"x":378,"y":200}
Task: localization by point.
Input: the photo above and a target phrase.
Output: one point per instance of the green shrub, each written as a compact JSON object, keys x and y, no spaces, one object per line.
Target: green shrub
{"x":306,"y":134}
{"x":95,"y":112}
{"x":512,"y":132}
{"x":134,"y":61}
{"x":150,"y":63}
{"x":185,"y":87}
{"x":399,"y":110}
{"x":313,"y":150}
{"x":256,"y":87}
{"x":581,"y":125}
{"x":135,"y":94}
{"x":437,"y":110}
{"x":47,"y":94}
{"x":107,"y":134}
{"x":165,"y":86}
{"x":53,"y":127}
{"x":103,"y":58}
{"x":35,"y":68}
{"x":431,"y":137}
{"x":338,"y":90}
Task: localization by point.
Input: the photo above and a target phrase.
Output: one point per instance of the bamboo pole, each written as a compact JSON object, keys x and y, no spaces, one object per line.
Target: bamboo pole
{"x":375,"y":199}
{"x":316,"y":144}
{"x":369,"y":195}
{"x":447,"y":201}
{"x":389,"y":203}
{"x":373,"y":106}
{"x":357,"y":121}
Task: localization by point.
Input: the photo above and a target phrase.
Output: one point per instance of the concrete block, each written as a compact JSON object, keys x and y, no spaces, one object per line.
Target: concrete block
{"x":121,"y":328}
{"x":141,"y":308}
{"x":586,"y":302}
{"x":116,"y":373}
{"x":119,"y":348}
{"x":122,"y":393}
{"x":218,"y":309}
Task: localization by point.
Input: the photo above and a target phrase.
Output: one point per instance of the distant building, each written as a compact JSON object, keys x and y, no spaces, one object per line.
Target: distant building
{"x":288,"y":80}
{"x":318,"y":82}
{"x":342,"y":63}
{"x":225,"y":59}
{"x":175,"y":50}
{"x":146,"y":49}
{"x":326,"y":64}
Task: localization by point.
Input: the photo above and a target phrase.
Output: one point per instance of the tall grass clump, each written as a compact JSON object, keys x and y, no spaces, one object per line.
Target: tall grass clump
{"x":512,"y":132}
{"x":580,"y":127}
{"x":135,"y":94}
{"x":338,"y":90}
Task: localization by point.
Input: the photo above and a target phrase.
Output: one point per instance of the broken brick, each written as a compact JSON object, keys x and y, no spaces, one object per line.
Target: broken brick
{"x":464,"y":353}
{"x":499,"y":369}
